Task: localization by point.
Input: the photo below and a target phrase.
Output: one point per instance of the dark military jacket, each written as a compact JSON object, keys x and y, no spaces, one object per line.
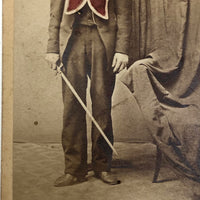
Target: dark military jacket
{"x":114,"y":31}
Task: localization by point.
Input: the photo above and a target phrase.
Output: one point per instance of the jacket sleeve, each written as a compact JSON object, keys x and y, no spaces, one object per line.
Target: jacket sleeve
{"x":56,"y":12}
{"x":123,"y":10}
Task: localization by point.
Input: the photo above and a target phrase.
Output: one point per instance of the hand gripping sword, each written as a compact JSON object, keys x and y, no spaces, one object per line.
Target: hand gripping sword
{"x":59,"y":69}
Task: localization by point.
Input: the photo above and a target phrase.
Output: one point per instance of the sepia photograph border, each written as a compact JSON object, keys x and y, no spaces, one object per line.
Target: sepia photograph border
{"x":7,"y":99}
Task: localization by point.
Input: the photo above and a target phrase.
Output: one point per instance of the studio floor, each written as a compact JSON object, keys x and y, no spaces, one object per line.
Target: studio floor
{"x":36,"y":166}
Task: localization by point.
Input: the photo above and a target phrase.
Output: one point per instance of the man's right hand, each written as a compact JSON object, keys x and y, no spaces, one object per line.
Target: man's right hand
{"x":52,"y":59}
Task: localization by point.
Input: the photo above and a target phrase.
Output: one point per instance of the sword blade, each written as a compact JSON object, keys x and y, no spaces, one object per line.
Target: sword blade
{"x":86,"y":109}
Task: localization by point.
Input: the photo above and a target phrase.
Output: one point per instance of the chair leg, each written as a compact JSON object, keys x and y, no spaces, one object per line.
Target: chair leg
{"x":158,"y":164}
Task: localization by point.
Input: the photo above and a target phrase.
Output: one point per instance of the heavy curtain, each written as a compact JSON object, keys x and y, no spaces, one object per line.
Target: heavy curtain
{"x":165,"y":77}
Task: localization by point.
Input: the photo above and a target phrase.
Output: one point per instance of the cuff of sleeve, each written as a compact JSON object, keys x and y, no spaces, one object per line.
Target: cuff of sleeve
{"x":49,"y":51}
{"x":53,"y":48}
{"x":122,"y":49}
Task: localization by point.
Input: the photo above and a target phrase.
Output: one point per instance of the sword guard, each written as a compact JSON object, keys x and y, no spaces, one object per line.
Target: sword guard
{"x":59,"y":67}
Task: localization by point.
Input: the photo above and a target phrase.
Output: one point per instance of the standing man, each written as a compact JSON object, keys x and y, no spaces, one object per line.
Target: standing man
{"x":91,"y":39}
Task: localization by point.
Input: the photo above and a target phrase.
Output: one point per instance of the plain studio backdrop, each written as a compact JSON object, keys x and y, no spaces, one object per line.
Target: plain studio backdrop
{"x":38,"y":103}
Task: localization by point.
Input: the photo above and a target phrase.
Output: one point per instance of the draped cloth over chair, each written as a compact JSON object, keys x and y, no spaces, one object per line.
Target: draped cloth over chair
{"x":166,"y":82}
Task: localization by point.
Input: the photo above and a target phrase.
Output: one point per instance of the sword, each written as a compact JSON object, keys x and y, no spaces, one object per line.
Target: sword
{"x":59,"y":69}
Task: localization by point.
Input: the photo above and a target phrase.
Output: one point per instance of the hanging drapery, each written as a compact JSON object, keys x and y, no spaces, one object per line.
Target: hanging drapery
{"x":166,"y":79}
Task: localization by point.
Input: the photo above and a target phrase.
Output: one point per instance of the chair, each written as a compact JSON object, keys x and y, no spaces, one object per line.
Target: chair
{"x":157,"y":165}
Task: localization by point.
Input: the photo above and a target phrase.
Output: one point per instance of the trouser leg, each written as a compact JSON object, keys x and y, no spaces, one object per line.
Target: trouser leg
{"x":87,"y":56}
{"x":102,"y":85}
{"x":74,"y":137}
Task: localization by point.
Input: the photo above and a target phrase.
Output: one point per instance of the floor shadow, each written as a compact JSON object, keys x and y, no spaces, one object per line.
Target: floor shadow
{"x":121,"y":164}
{"x":166,"y":180}
{"x":116,"y":164}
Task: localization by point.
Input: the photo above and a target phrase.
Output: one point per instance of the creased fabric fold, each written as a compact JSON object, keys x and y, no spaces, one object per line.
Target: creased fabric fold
{"x":165,"y":81}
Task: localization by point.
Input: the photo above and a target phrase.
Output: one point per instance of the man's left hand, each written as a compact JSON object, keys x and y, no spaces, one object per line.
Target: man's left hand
{"x":120,"y":62}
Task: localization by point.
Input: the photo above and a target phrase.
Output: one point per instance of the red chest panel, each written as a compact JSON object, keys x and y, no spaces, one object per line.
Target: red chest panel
{"x":99,"y":7}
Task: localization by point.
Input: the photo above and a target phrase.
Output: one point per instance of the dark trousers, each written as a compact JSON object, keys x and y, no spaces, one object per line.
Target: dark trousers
{"x":85,"y":56}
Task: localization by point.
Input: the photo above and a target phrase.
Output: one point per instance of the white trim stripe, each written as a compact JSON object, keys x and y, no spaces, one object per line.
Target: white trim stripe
{"x":97,"y":13}
{"x":76,"y":10}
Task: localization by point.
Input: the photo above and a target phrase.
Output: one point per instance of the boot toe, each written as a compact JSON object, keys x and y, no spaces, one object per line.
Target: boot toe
{"x":108,"y":178}
{"x":67,"y":180}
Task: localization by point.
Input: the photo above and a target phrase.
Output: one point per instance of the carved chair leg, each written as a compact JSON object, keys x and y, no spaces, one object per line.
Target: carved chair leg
{"x":158,"y":164}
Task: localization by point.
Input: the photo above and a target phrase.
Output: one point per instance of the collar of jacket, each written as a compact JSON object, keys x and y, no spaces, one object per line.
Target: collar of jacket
{"x":99,"y":7}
